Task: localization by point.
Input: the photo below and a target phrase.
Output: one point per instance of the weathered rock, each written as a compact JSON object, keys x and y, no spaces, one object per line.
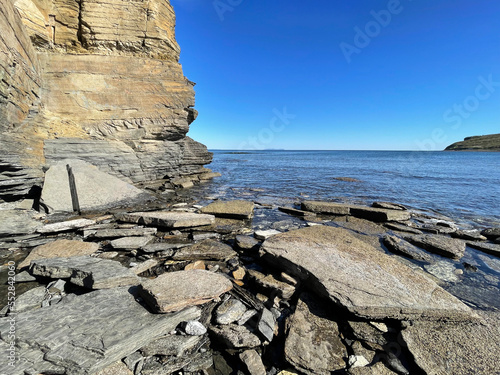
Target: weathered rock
{"x":247,"y":243}
{"x":230,"y":209}
{"x":229,"y":311}
{"x":313,"y":343}
{"x":24,"y":277}
{"x":265,"y":234}
{"x":80,"y":336}
{"x":167,"y":219}
{"x":176,"y":290}
{"x":458,"y":349}
{"x":75,"y":185}
{"x":17,"y":222}
{"x":268,"y":282}
{"x":117,"y":368}
{"x":403,"y":228}
{"x":170,"y":365}
{"x":379,"y":214}
{"x":85,"y":271}
{"x":491,"y":232}
{"x":377,"y":369}
{"x":441,"y":245}
{"x":383,"y":287}
{"x":357,"y":361}
{"x":253,"y":362}
{"x":389,"y":206}
{"x":399,"y":246}
{"x":198,"y":265}
{"x":30,"y":300}
{"x":326,"y":207}
{"x":131,"y":243}
{"x":205,"y":250}
{"x":367,"y":333}
{"x":235,"y":336}
{"x":469,"y":235}
{"x":194,"y":328}
{"x":170,"y":345}
{"x":164,"y":246}
{"x":144,"y":266}
{"x":59,"y":248}
{"x":266,"y":324}
{"x":116,"y":233}
{"x":65,"y":226}
{"x":485,"y":247}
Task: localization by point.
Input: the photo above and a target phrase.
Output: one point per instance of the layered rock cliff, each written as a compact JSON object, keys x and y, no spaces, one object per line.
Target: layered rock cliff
{"x":97,"y":81}
{"x":478,"y":143}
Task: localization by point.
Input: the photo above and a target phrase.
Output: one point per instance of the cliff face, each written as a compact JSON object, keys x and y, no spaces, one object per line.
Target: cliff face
{"x":478,"y":143}
{"x":98,"y":81}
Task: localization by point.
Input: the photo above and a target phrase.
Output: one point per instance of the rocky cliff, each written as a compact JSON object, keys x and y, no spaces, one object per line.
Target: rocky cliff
{"x":97,"y":81}
{"x":478,"y":143}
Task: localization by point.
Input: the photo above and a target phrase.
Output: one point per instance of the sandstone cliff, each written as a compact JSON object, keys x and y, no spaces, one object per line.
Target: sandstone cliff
{"x":97,"y":81}
{"x":478,"y":143}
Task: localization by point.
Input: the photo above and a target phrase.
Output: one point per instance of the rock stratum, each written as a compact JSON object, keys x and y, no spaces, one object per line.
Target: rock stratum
{"x":478,"y":143}
{"x":95,"y":81}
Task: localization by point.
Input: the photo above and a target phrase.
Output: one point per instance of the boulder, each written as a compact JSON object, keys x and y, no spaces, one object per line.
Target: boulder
{"x":86,"y":333}
{"x":441,"y":245}
{"x":205,"y":250}
{"x":360,"y":278}
{"x":313,"y":344}
{"x":441,"y":348}
{"x":236,"y":209}
{"x":167,"y":219}
{"x":85,"y":271}
{"x":174,"y":291}
{"x":75,"y":185}
{"x":58,"y":249}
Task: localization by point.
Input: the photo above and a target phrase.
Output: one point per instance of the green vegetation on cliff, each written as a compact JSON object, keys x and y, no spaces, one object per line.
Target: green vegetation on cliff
{"x":479,"y":143}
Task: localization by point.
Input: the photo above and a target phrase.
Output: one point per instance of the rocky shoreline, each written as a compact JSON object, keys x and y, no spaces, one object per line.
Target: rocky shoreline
{"x":239,"y":287}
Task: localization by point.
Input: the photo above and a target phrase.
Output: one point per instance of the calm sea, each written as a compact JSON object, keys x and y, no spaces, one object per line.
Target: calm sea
{"x":462,"y":185}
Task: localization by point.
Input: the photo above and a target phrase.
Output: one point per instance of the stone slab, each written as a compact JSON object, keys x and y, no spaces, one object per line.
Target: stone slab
{"x":167,"y":219}
{"x":236,"y":209}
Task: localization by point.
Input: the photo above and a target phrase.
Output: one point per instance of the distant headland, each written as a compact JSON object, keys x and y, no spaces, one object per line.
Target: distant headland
{"x":478,"y":143}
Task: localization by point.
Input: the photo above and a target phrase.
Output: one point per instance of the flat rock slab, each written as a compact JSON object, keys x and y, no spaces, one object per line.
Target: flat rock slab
{"x":206,"y":250}
{"x":235,"y":336}
{"x":379,"y":214}
{"x":389,"y":206}
{"x":458,"y":349}
{"x":485,"y":247}
{"x":313,"y":343}
{"x":230,"y":209}
{"x":65,"y":226}
{"x":295,"y":212}
{"x":265,"y":234}
{"x":167,"y":219}
{"x":75,"y":185}
{"x":131,"y":243}
{"x":362,"y":279}
{"x":18,"y":222}
{"x":116,"y":233}
{"x":403,"y":228}
{"x":330,"y":208}
{"x":399,"y":246}
{"x":85,"y":334}
{"x":441,"y":245}
{"x":174,"y":291}
{"x":86,"y":271}
{"x":59,"y":249}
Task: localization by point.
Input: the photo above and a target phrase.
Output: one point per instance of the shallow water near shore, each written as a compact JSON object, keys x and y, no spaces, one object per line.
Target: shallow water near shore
{"x":462,"y":185}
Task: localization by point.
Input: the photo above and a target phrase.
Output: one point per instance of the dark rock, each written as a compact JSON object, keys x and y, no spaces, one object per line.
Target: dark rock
{"x":266,"y":324}
{"x":295,"y":212}
{"x":169,"y":365}
{"x":326,"y":207}
{"x":313,"y":343}
{"x":403,"y":228}
{"x":235,"y":336}
{"x":399,"y":246}
{"x":441,"y":245}
{"x":164,"y":247}
{"x":379,"y":214}
{"x":469,"y":235}
{"x":327,"y":258}
{"x":485,"y":247}
{"x":205,"y":250}
{"x":171,"y":345}
{"x":389,"y":206}
{"x":376,"y":369}
{"x":268,"y":282}
{"x":367,"y":333}
{"x":491,"y":232}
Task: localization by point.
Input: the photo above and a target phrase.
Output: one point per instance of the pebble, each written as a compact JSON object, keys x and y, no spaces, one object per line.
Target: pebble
{"x":195,"y":328}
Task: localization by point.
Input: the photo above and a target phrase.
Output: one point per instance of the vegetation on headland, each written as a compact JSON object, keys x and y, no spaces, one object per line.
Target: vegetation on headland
{"x":478,"y":143}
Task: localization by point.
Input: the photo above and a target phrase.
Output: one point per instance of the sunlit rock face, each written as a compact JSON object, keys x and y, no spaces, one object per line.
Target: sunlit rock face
{"x":97,"y":81}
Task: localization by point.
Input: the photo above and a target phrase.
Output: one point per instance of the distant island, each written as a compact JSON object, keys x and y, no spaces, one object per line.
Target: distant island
{"x":478,"y":143}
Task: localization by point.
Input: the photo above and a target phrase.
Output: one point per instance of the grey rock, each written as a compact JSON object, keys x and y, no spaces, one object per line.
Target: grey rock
{"x":16,"y":222}
{"x":130,"y":243}
{"x":171,"y":345}
{"x":389,"y":206}
{"x":485,"y":247}
{"x":117,"y":368}
{"x":268,"y":282}
{"x":313,"y":344}
{"x":469,"y":235}
{"x":116,"y":233}
{"x":235,"y":336}
{"x":56,"y":286}
{"x":30,"y":300}
{"x":229,"y":311}
{"x":491,"y":232}
{"x":265,"y":234}
{"x":205,"y":250}
{"x":204,"y":236}
{"x":247,"y":242}
{"x":192,"y":363}
{"x":367,"y":333}
{"x":399,"y":246}
{"x":75,"y":185}
{"x":249,"y":314}
{"x":167,"y":219}
{"x":163,"y":246}
{"x":441,"y":348}
{"x":326,"y":207}
{"x":403,"y":228}
{"x":194,"y":328}
{"x":174,"y":291}
{"x":132,"y":360}
{"x":85,"y":271}
{"x":444,"y":271}
{"x":266,"y":324}
{"x":441,"y":245}
{"x":65,"y":226}
{"x":236,"y":209}
{"x":253,"y":362}
{"x":383,"y":287}
{"x":24,"y":277}
{"x":144,"y":266}
{"x":87,"y":333}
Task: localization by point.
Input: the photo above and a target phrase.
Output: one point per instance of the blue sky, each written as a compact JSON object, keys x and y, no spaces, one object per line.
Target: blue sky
{"x":341,"y":75}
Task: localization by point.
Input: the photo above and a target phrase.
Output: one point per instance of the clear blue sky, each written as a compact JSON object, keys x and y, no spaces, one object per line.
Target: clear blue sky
{"x":359,"y":74}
